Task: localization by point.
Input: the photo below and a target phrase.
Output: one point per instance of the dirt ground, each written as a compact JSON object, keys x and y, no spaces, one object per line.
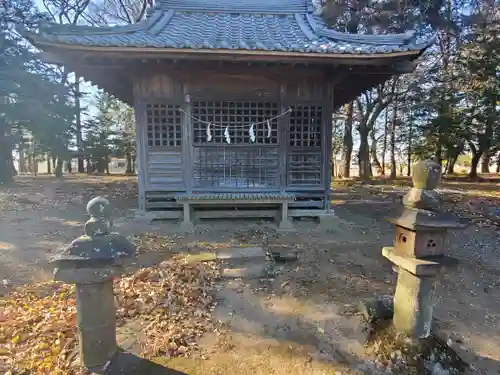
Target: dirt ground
{"x":299,"y":322}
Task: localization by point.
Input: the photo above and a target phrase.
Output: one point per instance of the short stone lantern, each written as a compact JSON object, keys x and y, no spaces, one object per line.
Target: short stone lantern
{"x":91,"y":262}
{"x":419,"y":251}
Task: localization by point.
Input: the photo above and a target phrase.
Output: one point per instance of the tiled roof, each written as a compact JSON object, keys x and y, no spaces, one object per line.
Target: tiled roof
{"x":247,"y":25}
{"x":238,"y":6}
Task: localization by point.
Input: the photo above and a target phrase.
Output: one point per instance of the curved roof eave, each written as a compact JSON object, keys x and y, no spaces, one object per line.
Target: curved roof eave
{"x":304,"y":34}
{"x":159,"y":51}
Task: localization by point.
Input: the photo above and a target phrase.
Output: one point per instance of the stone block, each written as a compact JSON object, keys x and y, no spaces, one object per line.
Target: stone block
{"x":242,"y":252}
{"x":86,"y":275}
{"x":186,"y":227}
{"x":413,"y":304}
{"x":144,"y":216}
{"x":328,"y":221}
{"x":285,"y":225}
{"x":377,"y":309}
{"x":419,"y":244}
{"x":244,"y":262}
{"x":418,"y":267}
{"x":249,"y":271}
{"x":422,"y":199}
{"x":426,"y":175}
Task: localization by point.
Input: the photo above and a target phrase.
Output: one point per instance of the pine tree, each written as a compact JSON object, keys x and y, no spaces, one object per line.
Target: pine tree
{"x":31,"y":100}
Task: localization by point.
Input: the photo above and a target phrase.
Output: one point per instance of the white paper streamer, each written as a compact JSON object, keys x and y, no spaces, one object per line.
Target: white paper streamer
{"x":227,"y":135}
{"x":251,"y":132}
{"x":209,"y":133}
{"x":269,"y":129}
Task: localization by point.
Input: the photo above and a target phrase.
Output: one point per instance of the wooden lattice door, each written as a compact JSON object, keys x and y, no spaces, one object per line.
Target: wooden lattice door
{"x":304,"y":157}
{"x":164,"y":133}
{"x":241,"y":163}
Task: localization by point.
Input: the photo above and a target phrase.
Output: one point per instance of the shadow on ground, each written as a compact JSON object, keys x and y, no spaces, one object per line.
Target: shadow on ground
{"x":129,"y":364}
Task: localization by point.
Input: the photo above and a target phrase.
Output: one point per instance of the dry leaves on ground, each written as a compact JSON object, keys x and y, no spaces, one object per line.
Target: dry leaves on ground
{"x":152,"y":242}
{"x":173,"y":300}
{"x":38,"y":194}
{"x":174,"y":303}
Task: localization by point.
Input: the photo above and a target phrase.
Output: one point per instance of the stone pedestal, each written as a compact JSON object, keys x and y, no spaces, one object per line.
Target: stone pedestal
{"x":96,"y":314}
{"x":413,"y":304}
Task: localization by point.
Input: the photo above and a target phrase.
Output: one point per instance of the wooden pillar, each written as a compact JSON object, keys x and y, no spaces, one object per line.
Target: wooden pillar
{"x":141,"y":151}
{"x":327,"y":145}
{"x":187,"y":141}
{"x":283,"y":139}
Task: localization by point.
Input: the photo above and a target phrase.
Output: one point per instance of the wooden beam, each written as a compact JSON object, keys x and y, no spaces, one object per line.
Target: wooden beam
{"x":51,"y":58}
{"x":403,"y":67}
{"x":235,"y":55}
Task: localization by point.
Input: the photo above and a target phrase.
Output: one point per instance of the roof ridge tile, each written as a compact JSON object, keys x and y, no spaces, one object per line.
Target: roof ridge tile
{"x":238,"y":6}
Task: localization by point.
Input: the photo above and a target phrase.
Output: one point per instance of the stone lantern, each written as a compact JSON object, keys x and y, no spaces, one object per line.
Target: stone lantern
{"x":419,"y":251}
{"x":91,"y":262}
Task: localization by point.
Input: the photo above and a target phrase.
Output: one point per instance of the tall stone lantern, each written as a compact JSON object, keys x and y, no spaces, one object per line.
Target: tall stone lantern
{"x":91,"y":262}
{"x":419,"y":251}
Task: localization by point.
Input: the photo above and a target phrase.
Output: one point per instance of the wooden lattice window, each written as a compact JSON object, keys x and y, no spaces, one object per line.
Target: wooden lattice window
{"x":304,"y":155}
{"x":164,"y":125}
{"x":305,"y":168}
{"x":225,"y":167}
{"x":305,"y":126}
{"x":234,"y":114}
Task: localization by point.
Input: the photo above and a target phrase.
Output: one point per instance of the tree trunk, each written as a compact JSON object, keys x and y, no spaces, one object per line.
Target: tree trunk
{"x":30,"y":162}
{"x":106,"y":161}
{"x":438,"y":155}
{"x":129,"y":169}
{"x":89,"y":165}
{"x":22,"y":156}
{"x":373,"y":153}
{"x":474,"y":163}
{"x":384,"y":142}
{"x":100,"y":166}
{"x":393,"y":141}
{"x":133,"y":165}
{"x":12,"y":166}
{"x":347,"y":149}
{"x":410,"y":150}
{"x":58,"y":170}
{"x":5,"y":160}
{"x":69,"y":166}
{"x":498,"y":163}
{"x":485,"y":162}
{"x":78,"y":124}
{"x":365,"y":171}
{"x":450,"y":167}
{"x":49,"y":166}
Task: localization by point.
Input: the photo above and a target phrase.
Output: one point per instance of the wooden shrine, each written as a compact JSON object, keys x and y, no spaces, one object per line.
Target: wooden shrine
{"x":233,"y":98}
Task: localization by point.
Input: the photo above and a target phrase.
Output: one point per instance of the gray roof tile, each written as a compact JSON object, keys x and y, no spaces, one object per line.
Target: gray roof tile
{"x":262,"y":27}
{"x":238,"y":6}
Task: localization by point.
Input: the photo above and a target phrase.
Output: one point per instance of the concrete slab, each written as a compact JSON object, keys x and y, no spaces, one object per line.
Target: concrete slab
{"x":235,"y":253}
{"x":249,"y":271}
